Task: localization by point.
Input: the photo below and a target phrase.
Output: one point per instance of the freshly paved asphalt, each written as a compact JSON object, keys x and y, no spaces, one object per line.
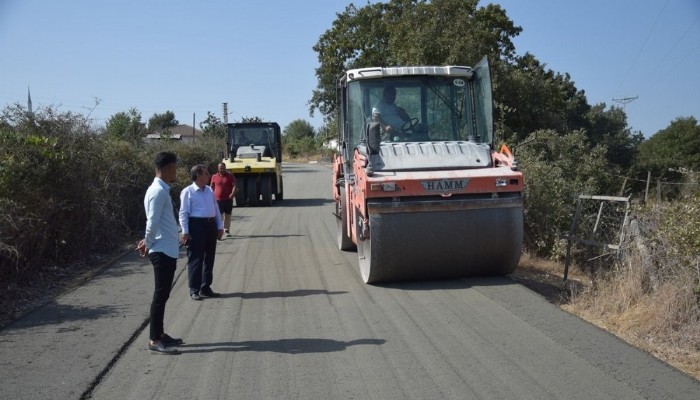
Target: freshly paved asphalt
{"x":296,"y":322}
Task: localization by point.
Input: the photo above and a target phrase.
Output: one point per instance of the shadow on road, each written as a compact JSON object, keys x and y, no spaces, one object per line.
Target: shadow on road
{"x":288,"y":346}
{"x":451,"y":284}
{"x":52,"y":314}
{"x":304,"y":202}
{"x":267,"y":295}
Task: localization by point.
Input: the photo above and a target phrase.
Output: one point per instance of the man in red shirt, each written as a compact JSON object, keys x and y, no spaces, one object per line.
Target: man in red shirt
{"x":223,"y":183}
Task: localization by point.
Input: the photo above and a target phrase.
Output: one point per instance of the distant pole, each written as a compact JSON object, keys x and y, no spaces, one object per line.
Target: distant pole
{"x":225,"y":114}
{"x":192,"y":124}
{"x":29,"y":102}
{"x":625,"y":100}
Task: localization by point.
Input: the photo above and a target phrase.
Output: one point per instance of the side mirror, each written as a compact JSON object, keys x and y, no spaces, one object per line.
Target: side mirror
{"x":373,"y":137}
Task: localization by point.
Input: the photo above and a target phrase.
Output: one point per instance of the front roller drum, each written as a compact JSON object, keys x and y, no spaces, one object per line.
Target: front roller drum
{"x":430,"y":245}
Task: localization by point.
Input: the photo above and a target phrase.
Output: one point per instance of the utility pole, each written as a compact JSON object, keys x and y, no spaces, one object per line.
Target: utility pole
{"x":225,"y":115}
{"x":625,"y":100}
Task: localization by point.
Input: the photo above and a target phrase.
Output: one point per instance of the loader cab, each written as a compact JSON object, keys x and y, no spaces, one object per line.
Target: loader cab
{"x":450,"y":103}
{"x":251,"y":138}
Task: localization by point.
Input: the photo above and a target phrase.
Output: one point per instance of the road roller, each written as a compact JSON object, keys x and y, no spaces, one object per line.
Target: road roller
{"x":254,"y":157}
{"x":421,"y":190}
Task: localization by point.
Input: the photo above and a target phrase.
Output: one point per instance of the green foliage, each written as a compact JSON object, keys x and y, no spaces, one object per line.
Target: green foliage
{"x":213,"y":126}
{"x":557,"y":169}
{"x":67,"y":192}
{"x":537,"y":98}
{"x":408,"y":32}
{"x":299,"y":138}
{"x":252,"y":119}
{"x":126,"y":125}
{"x":675,"y":147}
{"x":161,"y":122}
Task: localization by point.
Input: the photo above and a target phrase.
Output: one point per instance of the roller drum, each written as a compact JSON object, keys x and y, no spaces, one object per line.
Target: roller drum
{"x":436,"y":240}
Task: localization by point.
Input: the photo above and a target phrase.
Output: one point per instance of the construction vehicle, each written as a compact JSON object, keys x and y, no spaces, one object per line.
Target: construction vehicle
{"x":254,"y":157}
{"x":432,"y":199}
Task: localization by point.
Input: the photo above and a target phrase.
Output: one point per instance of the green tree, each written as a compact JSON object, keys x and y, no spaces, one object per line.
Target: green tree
{"x":409,"y":32}
{"x":162,"y":122}
{"x":213,"y":126}
{"x":557,"y":168}
{"x":252,"y":119}
{"x":532,"y":97}
{"x":609,"y":128}
{"x":126,"y":125}
{"x":675,"y":147}
{"x":299,"y":137}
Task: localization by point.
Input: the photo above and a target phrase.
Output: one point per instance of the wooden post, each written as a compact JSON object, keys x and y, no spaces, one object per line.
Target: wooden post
{"x":646,"y":192}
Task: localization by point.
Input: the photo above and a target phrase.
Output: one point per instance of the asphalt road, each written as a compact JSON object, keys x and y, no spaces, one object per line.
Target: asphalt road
{"x":296,"y":322}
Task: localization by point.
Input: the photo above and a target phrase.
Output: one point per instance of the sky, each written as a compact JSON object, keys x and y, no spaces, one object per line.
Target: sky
{"x":101,"y":57}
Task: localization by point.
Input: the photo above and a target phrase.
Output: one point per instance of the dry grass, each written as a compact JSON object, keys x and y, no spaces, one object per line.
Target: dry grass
{"x":664,"y":321}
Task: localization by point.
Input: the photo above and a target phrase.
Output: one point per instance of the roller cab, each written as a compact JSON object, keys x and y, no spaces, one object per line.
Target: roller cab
{"x":432,"y":198}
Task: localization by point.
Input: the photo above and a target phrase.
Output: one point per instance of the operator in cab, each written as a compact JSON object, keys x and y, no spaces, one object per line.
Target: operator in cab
{"x":390,"y":116}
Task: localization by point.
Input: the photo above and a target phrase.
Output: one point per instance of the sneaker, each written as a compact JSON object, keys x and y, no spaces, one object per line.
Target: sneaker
{"x":160,"y":348}
{"x":209,"y":293}
{"x":226,"y":230}
{"x":195,"y":296}
{"x":169,"y":341}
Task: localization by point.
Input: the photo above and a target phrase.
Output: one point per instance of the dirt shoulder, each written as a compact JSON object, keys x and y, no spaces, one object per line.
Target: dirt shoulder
{"x":546,"y":278}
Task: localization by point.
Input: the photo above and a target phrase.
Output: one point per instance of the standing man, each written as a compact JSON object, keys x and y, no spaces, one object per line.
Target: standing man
{"x":223,"y":183}
{"x":161,"y":245}
{"x":201,"y":227}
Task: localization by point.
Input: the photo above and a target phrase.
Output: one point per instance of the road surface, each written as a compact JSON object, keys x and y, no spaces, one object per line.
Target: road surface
{"x":296,"y":322}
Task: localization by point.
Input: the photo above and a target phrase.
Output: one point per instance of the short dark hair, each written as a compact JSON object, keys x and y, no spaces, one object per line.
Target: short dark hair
{"x":165,"y":158}
{"x":196,"y":171}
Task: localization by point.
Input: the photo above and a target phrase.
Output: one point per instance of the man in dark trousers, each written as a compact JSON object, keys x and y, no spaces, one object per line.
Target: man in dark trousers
{"x":223,"y":183}
{"x":201,"y":224}
{"x":161,"y":245}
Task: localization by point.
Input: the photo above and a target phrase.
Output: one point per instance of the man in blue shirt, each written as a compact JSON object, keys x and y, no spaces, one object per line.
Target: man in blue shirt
{"x":161,"y":245}
{"x":202,"y":226}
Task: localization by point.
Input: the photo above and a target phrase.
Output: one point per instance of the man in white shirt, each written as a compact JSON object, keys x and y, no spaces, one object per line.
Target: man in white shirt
{"x":201,"y":226}
{"x":161,"y":245}
{"x":390,"y":116}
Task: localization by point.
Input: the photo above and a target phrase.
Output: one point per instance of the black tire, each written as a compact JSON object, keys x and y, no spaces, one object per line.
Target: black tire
{"x":266,"y":190}
{"x":344,"y":242}
{"x":252,"y":188}
{"x":241,"y":192}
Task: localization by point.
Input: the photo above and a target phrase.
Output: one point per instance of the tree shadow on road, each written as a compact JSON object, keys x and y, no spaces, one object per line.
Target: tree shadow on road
{"x":287,"y":346}
{"x":54,"y":314}
{"x":289,"y":293}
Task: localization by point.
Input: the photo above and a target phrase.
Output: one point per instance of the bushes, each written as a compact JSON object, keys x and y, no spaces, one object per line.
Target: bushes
{"x":67,"y":192}
{"x":556,"y":169}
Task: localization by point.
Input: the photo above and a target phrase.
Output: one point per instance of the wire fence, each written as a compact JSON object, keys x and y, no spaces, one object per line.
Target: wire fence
{"x":597,"y":229}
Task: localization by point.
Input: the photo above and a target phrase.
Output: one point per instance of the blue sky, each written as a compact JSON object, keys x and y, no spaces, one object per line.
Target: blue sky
{"x":191,"y":56}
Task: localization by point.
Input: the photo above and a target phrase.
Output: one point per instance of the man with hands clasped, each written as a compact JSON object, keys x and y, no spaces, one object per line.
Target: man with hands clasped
{"x":202,"y":226}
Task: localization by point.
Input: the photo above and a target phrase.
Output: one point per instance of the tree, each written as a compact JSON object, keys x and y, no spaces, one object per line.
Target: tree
{"x":299,"y":137}
{"x":532,"y":97}
{"x":212,"y":126}
{"x":409,"y":32}
{"x":609,"y":128}
{"x":252,"y":119}
{"x":126,"y":125}
{"x":161,"y":122}
{"x":299,"y":129}
{"x":675,"y":147}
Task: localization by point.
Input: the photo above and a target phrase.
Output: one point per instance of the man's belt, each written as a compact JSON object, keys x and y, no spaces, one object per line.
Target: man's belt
{"x":207,"y":219}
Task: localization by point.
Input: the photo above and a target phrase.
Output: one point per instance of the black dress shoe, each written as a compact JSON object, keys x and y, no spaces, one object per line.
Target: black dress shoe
{"x":209,"y":293}
{"x":160,"y":348}
{"x":195,"y":296}
{"x":170,"y":341}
